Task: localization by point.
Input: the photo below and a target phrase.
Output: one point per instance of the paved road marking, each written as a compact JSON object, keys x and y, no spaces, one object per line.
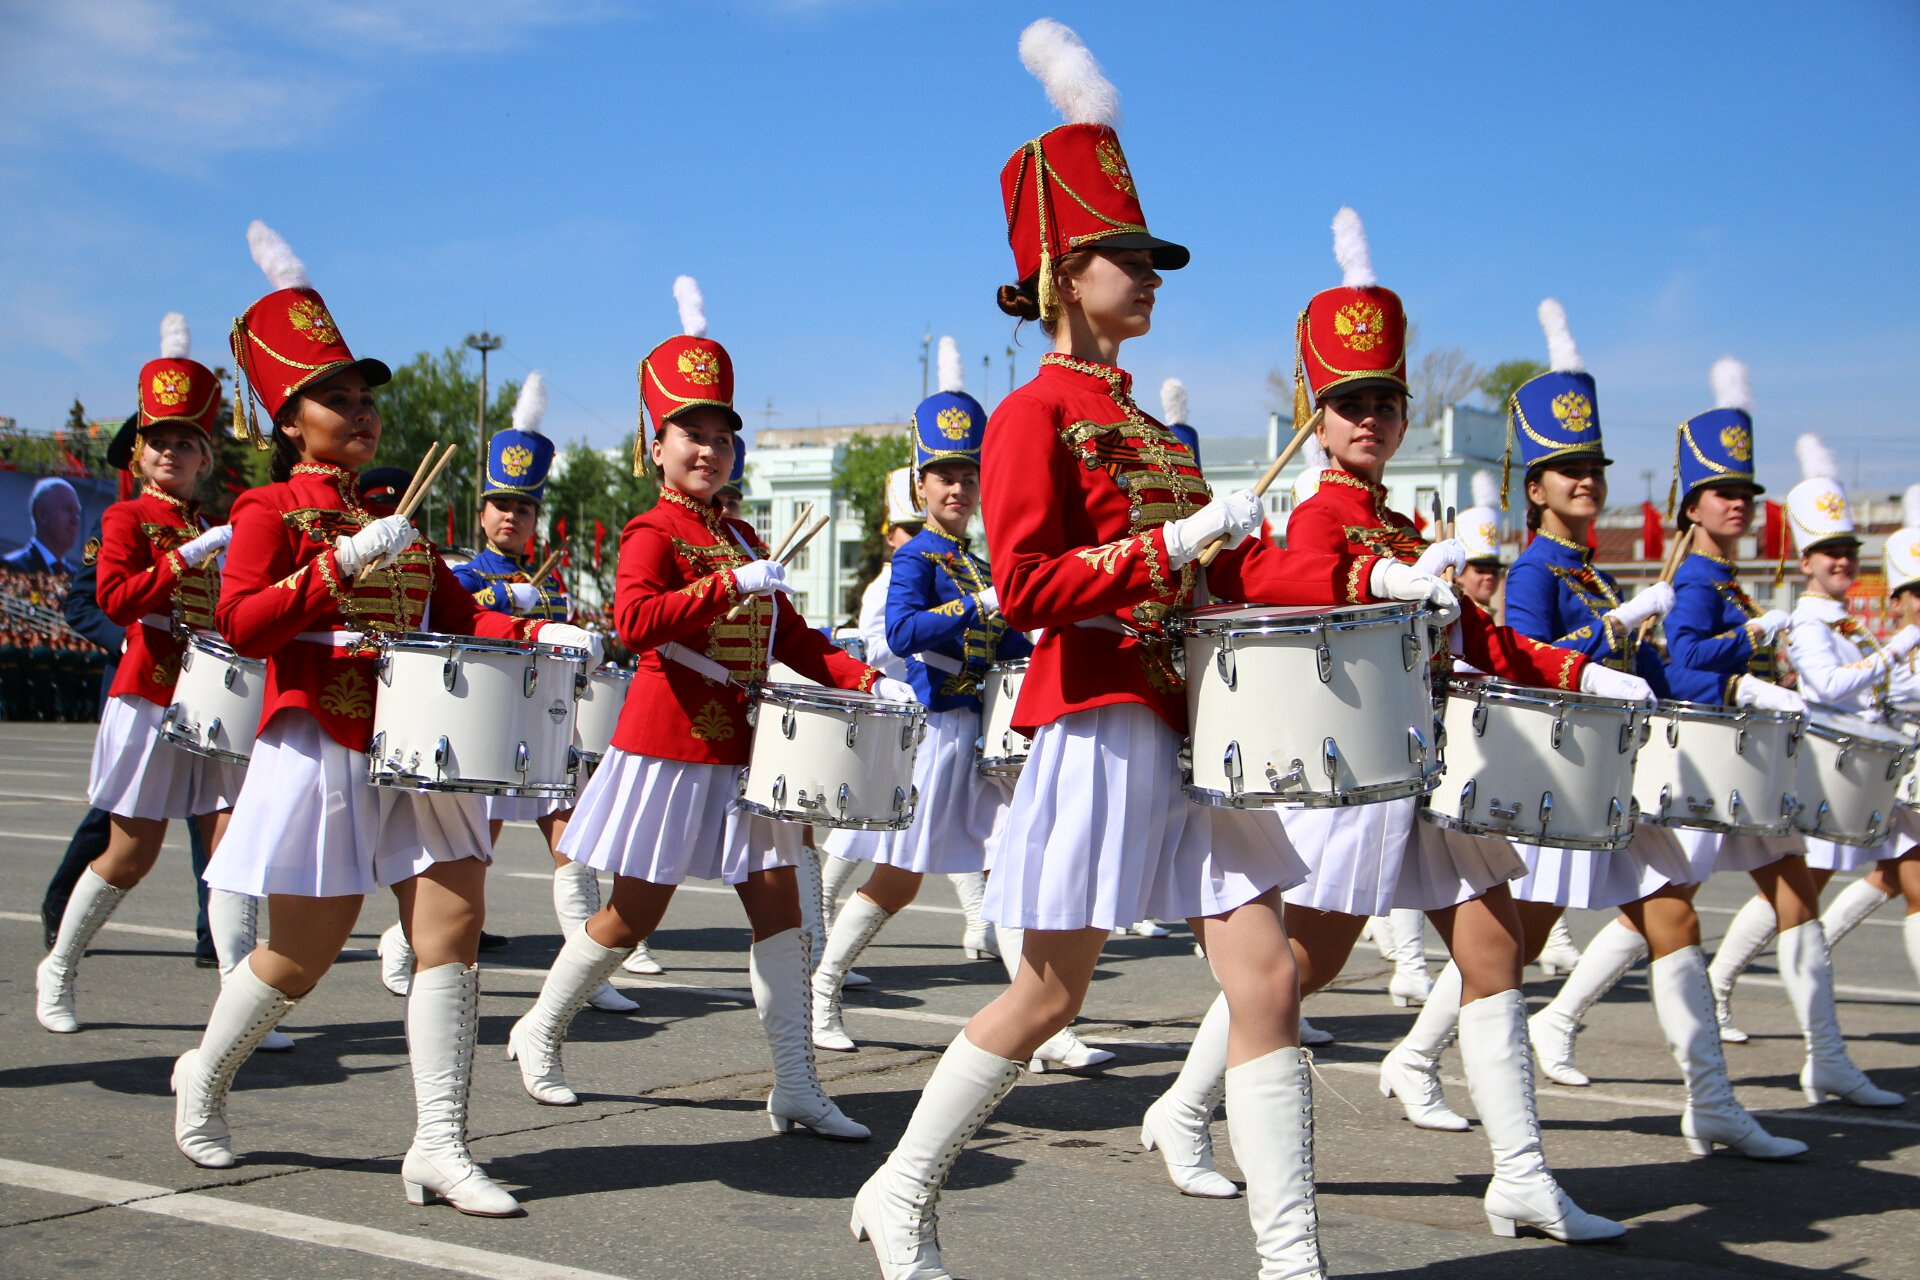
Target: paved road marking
{"x":150,"y":930}
{"x":1729,"y":911}
{"x":21,"y":795}
{"x":728,"y":890}
{"x":212,"y":1211}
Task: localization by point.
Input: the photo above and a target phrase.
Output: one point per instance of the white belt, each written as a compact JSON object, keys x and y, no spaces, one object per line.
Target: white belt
{"x":337,"y":639}
{"x":158,"y":621}
{"x":695,"y":661}
{"x":1107,"y":622}
{"x":941,"y":662}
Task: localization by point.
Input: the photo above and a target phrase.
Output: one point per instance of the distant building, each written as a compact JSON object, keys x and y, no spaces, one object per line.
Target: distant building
{"x":789,"y":467}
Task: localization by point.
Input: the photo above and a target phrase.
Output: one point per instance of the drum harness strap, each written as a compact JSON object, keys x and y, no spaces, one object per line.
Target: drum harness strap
{"x":700,"y":662}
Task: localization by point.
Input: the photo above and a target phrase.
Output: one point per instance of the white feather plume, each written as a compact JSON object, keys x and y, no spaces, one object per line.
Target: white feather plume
{"x":1350,"y":250}
{"x":1816,"y":460}
{"x":1910,"y":507}
{"x":693,"y":306}
{"x":952,"y":376}
{"x":1173,"y":401}
{"x":1313,"y":454}
{"x":1067,"y":69}
{"x":1731,"y":388}
{"x":275,"y":257}
{"x":176,"y":343}
{"x":1562,"y":355}
{"x":1486,"y":490}
{"x":531,"y":407}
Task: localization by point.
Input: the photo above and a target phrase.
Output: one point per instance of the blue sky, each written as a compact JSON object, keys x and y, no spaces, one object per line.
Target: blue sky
{"x":1690,"y":179}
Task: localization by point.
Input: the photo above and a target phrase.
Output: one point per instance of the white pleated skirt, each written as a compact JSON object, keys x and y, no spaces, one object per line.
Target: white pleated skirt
{"x":137,"y":773}
{"x":666,"y":821}
{"x":1368,"y":859}
{"x":1099,"y":833}
{"x":1826,"y":855}
{"x":856,"y":846}
{"x":960,"y":812}
{"x":308,"y":822}
{"x":1593,"y":879}
{"x":523,"y":808}
{"x":1710,"y":851}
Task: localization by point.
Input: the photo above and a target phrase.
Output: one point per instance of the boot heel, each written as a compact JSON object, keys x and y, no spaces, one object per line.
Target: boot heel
{"x":1501,"y":1226}
{"x":1399,"y":1002}
{"x":416,"y":1194}
{"x":974,"y":953}
{"x":858,"y":1227}
{"x":1815,"y":1097}
{"x":1146,"y":1139}
{"x":781,"y":1124}
{"x":1700,"y":1146}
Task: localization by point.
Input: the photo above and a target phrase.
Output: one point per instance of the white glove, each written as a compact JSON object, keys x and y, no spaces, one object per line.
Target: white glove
{"x":375,"y":545}
{"x":1655,"y":601}
{"x":565,"y":633}
{"x":206,"y":546}
{"x":761,"y":578}
{"x":1235,"y":516}
{"x":989,"y":601}
{"x":1392,"y":580}
{"x":522,"y":596}
{"x":893,"y":690}
{"x":1771,"y":624}
{"x":1904,"y":641}
{"x":1751,"y":691}
{"x":1605,"y":682}
{"x":1448,"y":553}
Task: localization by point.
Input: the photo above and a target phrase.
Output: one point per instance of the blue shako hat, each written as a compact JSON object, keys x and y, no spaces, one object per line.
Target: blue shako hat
{"x":1716,"y":447}
{"x":1555,"y":415}
{"x":739,"y":471}
{"x":519,"y":458}
{"x":949,"y":425}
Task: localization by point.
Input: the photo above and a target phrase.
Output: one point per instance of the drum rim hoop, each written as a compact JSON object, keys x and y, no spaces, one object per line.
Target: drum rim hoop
{"x":1213,"y":620}
{"x":1483,"y":688}
{"x":216,"y":644}
{"x":1583,"y":844}
{"x":1707,"y":712}
{"x":820,"y":698}
{"x":810,"y":819}
{"x":437,"y":641}
{"x":1894,"y":742}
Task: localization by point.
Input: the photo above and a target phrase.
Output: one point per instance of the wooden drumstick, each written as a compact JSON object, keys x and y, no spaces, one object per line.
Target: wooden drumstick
{"x":1671,"y":567}
{"x":415,"y":495}
{"x":801,"y":519}
{"x":1446,"y":530}
{"x":413,"y":485}
{"x":1267,"y":477}
{"x":546,"y":566}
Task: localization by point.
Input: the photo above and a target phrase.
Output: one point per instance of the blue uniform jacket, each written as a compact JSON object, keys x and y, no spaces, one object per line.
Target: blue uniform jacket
{"x":1709,"y":643}
{"x":1555,"y":593}
{"x":931,"y":609}
{"x":83,"y":613}
{"x":487,"y":576}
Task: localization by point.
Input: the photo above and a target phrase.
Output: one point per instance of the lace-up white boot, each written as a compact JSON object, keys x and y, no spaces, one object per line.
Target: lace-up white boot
{"x":246,"y":1010}
{"x":1748,"y":934}
{"x":781,"y":993}
{"x":1411,"y":1070}
{"x":1559,"y":955}
{"x":1410,"y":983}
{"x":1270,"y":1107}
{"x":576,"y":900}
{"x":234,"y":921}
{"x":1684,"y":1002}
{"x":396,"y":960}
{"x":443,"y":1024}
{"x":1179,"y":1121}
{"x":1613,"y":951}
{"x":536,"y":1039}
{"x":92,"y":902}
{"x":857,"y":925}
{"x":977,"y":942}
{"x":1807,"y":972}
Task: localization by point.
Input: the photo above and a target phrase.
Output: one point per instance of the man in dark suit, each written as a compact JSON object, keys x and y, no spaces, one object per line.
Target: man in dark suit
{"x":83,"y":614}
{"x":55,"y":510}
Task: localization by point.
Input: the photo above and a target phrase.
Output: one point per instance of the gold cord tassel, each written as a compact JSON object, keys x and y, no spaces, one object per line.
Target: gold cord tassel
{"x":640,"y":425}
{"x":1506,"y":461}
{"x":1673,"y":489}
{"x":1302,"y":405}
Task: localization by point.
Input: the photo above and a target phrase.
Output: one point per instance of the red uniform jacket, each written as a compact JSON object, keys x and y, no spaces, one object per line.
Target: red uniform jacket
{"x":283,"y":580}
{"x":675,"y":585}
{"x":1351,"y":514}
{"x":1077,"y":482}
{"x":141,"y":575}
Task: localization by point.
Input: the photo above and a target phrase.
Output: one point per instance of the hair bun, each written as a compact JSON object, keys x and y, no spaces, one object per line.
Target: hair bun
{"x":1018,"y":301}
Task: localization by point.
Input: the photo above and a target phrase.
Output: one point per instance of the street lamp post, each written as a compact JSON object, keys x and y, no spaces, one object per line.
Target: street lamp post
{"x":926,"y":342}
{"x":483,"y":342}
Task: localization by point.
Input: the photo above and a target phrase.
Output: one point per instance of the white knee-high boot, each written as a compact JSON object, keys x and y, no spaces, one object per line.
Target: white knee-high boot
{"x":535,"y":1040}
{"x":234,"y":921}
{"x":814,"y":921}
{"x":977,"y":942}
{"x":1493,"y":1047}
{"x":781,"y":993}
{"x":443,"y":1023}
{"x":835,"y":873}
{"x":1559,"y":955}
{"x":1808,"y":974}
{"x":1270,"y":1107}
{"x":1410,"y":983}
{"x":92,"y":902}
{"x":1179,"y":1121}
{"x":1065,"y":1051}
{"x":859,"y":923}
{"x":1849,"y":907}
{"x":246,"y":1010}
{"x":1613,"y":951}
{"x":1748,"y":934}
{"x":1683,"y":1000}
{"x":396,"y":960}
{"x":1412,"y":1069}
{"x":576,"y":898}
{"x":1910,"y":930}
{"x":896,"y":1207}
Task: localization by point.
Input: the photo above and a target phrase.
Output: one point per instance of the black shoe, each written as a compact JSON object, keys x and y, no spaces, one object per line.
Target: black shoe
{"x":488,"y":941}
{"x":205,"y":962}
{"x":51,"y":925}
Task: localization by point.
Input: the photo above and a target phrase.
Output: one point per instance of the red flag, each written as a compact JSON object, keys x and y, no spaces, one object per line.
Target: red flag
{"x":1653,"y":533}
{"x":560,"y":539}
{"x":1593,"y":536}
{"x":451,"y":538}
{"x":1773,"y":534}
{"x":599,"y":537}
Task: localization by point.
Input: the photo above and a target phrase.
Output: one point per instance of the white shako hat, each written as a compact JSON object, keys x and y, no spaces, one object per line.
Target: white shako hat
{"x":1307,"y":483}
{"x":1903,"y":544}
{"x":1478,"y":527}
{"x":1817,"y":508}
{"x":903,"y":505}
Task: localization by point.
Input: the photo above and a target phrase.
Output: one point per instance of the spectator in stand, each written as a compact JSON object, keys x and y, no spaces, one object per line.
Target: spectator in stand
{"x":55,"y":510}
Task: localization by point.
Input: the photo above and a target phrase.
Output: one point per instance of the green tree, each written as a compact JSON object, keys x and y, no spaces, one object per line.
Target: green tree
{"x":591,"y":484}
{"x":1500,"y":382}
{"x":861,"y":478}
{"x":432,"y":398}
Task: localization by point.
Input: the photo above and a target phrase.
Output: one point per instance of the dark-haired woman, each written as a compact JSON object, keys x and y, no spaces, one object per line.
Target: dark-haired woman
{"x":313,"y":581}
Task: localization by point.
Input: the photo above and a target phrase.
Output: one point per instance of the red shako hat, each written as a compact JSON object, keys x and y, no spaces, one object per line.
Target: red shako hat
{"x":287,"y":341}
{"x":1355,"y":333}
{"x":174,"y":388}
{"x":685,"y":372}
{"x":1071,"y":188}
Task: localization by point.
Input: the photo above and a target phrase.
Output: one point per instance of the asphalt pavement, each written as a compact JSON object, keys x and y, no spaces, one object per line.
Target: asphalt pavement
{"x":669,"y":1168}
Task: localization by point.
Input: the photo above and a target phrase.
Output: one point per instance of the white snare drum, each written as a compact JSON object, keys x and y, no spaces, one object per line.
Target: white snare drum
{"x":1724,"y":769}
{"x":1002,"y":751}
{"x":602,"y":692}
{"x":1537,"y":765}
{"x":1907,"y":788}
{"x":476,"y":716}
{"x":217,"y":700}
{"x":1292,"y":706}
{"x":832,"y":757}
{"x":1848,"y":777}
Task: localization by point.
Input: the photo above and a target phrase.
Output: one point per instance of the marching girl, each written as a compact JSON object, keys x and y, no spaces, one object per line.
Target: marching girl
{"x":1097,"y":515}
{"x":312,"y":581}
{"x":943,"y":617}
{"x":1365,"y":859}
{"x":1556,"y":593}
{"x":518,"y":460}
{"x":1841,"y":665}
{"x":663,"y":806}
{"x":155,"y":571}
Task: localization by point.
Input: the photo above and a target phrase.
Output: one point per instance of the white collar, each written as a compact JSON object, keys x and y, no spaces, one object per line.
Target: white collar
{"x":1820,"y":608}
